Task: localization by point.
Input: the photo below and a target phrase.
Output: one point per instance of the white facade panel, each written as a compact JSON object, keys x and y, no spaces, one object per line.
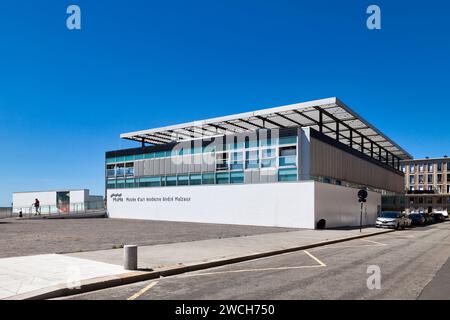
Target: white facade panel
{"x":270,"y":204}
{"x":26,"y":199}
{"x":339,"y":206}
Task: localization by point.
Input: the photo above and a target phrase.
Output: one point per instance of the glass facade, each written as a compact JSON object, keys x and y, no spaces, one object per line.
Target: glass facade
{"x":227,"y":164}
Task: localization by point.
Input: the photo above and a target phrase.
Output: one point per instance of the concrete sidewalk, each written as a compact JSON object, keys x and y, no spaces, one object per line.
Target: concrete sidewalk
{"x":190,"y":253}
{"x":37,"y":272}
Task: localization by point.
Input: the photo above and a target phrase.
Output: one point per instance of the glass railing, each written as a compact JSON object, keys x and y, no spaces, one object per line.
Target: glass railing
{"x":111,"y":173}
{"x":288,"y":161}
{"x":61,"y":209}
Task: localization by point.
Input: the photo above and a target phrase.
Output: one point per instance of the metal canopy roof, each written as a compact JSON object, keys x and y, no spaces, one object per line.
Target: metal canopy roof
{"x":329,"y":116}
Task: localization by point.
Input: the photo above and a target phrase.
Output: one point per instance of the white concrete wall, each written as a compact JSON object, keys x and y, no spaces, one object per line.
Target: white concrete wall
{"x":339,"y":206}
{"x":79,"y":196}
{"x":270,"y":204}
{"x":26,"y":199}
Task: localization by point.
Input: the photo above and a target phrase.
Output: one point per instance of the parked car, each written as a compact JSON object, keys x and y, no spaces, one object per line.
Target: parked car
{"x":408,"y":221}
{"x":428,"y":219}
{"x":437,"y":217}
{"x":391,"y":219}
{"x":417,"y":219}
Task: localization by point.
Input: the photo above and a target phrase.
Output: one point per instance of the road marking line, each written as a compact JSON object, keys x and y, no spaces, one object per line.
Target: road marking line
{"x":142,"y":291}
{"x":316,"y":259}
{"x":249,"y":270}
{"x":375,"y":242}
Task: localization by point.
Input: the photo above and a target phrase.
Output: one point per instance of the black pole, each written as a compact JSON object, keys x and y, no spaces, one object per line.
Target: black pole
{"x":360,"y":218}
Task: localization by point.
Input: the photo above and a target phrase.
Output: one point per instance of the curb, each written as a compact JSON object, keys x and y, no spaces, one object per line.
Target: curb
{"x":100,"y":283}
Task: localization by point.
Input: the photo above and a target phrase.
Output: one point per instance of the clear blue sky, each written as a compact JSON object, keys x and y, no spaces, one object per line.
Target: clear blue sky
{"x":65,"y":96}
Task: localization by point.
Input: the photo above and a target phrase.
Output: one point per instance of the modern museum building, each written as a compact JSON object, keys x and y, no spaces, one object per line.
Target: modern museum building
{"x":289,"y":166}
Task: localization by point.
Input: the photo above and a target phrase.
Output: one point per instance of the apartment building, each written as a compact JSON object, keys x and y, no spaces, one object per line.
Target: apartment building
{"x":427,"y":183}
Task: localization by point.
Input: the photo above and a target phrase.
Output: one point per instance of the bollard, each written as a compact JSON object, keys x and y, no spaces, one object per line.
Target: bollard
{"x":130,"y":257}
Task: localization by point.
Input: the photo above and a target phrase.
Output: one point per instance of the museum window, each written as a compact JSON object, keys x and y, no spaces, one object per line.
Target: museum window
{"x":129,"y":183}
{"x":150,"y":182}
{"x":171,"y":181}
{"x":222,"y":161}
{"x":129,"y":169}
{"x":237,"y":161}
{"x":287,"y":175}
{"x":110,"y":184}
{"x":110,"y":170}
{"x":120,"y":184}
{"x":120,"y":170}
{"x":237,"y":177}
{"x":208,"y":178}
{"x":222,"y":178}
{"x":183,"y":180}
{"x":287,"y":140}
{"x":195,"y":179}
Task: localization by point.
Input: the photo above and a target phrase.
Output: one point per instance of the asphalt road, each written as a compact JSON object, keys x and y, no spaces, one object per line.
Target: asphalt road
{"x":409,"y":261}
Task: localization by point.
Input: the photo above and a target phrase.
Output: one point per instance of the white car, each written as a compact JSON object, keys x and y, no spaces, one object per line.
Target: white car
{"x":391,"y":219}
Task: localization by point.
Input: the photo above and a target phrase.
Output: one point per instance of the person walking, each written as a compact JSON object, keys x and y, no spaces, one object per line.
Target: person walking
{"x":37,"y":206}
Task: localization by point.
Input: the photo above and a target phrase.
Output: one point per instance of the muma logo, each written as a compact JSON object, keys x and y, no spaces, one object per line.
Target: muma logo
{"x":116,"y":197}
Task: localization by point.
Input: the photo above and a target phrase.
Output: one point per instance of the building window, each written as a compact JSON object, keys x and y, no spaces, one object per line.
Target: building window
{"x":195,"y":179}
{"x":411,"y":168}
{"x":110,"y":184}
{"x":222,"y":178}
{"x":448,"y":166}
{"x":251,"y":143}
{"x":221,"y":161}
{"x":287,"y":175}
{"x":171,"y":181}
{"x":208,"y":178}
{"x":421,"y":167}
{"x":288,"y":140}
{"x":183,"y":180}
{"x":120,"y":184}
{"x":430,"y":167}
{"x":150,"y":182}
{"x":110,"y":170}
{"x":130,"y":183}
{"x":430,"y":178}
{"x":439,"y":178}
{"x":252,"y":160}
{"x":439,"y":166}
{"x":237,"y":161}
{"x":288,"y":156}
{"x":129,"y":169}
{"x":421,"y":179}
{"x":403,"y":168}
{"x":411,"y":179}
{"x":237,"y":177}
{"x":120,"y":170}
